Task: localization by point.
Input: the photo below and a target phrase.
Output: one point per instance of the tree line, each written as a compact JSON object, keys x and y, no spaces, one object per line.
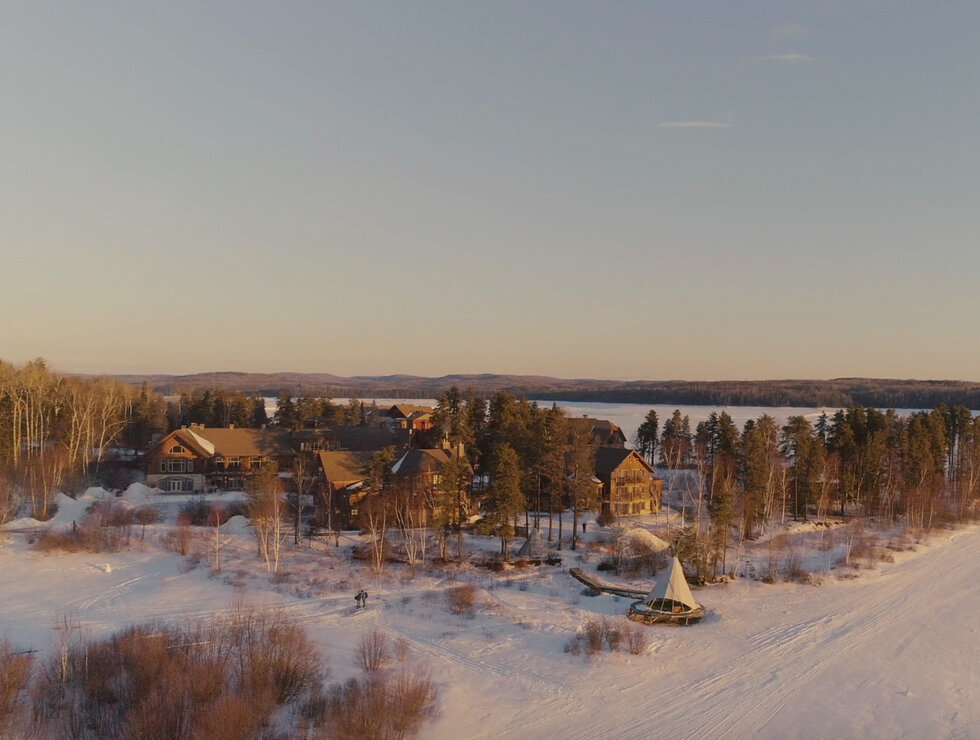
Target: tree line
{"x":839,"y":392}
{"x":529,"y":462}
{"x":57,"y":430}
{"x":836,"y":392}
{"x":922,"y":470}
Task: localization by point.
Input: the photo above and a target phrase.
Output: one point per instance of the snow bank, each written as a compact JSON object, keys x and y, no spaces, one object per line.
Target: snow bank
{"x":71,"y":509}
{"x":96,"y":493}
{"x":636,"y":541}
{"x":25,"y":522}
{"x":139,"y":495}
{"x":237,"y":525}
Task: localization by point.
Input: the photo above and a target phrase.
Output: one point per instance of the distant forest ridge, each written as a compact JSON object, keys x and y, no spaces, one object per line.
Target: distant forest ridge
{"x":839,"y":392}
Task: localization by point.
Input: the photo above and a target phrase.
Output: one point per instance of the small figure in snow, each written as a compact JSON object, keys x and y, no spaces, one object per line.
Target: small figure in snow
{"x":363,"y":598}
{"x":583,"y":527}
{"x":74,"y":527}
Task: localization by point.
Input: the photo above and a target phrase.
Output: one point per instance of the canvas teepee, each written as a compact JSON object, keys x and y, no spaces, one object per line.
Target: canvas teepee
{"x":533,"y":547}
{"x":671,"y":588}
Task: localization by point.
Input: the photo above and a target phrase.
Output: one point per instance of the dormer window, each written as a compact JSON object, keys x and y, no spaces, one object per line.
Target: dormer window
{"x":176,"y":450}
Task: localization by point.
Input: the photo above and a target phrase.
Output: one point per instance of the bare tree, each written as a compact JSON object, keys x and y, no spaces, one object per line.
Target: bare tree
{"x":304,"y":480}
{"x":376,"y":518}
{"x":409,"y":507}
{"x":264,"y":501}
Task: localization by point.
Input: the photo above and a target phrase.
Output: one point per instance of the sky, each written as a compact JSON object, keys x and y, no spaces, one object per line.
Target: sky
{"x":648,"y":190}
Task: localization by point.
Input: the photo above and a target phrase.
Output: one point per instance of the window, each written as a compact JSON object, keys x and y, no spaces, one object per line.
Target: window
{"x":177,"y":485}
{"x":176,"y":450}
{"x":176,"y":466}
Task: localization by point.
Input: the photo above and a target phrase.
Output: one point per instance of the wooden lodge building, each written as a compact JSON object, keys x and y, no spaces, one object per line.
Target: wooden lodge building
{"x":197,"y":459}
{"x":629,"y":485}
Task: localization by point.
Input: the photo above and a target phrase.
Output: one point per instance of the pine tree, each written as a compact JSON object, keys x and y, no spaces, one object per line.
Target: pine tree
{"x":452,"y":502}
{"x":504,"y":499}
{"x":583,"y":490}
{"x":646,"y":436}
{"x":286,"y":411}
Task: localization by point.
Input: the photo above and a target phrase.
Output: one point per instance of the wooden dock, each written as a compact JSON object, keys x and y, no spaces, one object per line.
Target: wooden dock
{"x":596,"y":584}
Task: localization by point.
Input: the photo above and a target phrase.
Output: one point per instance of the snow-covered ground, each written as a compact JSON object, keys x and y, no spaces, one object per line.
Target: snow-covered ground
{"x":891,"y":653}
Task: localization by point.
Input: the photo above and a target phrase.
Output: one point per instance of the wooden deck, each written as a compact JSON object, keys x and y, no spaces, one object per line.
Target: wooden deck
{"x":597,"y":584}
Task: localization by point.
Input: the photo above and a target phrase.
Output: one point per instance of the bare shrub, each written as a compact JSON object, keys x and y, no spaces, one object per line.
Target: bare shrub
{"x":795,"y":571}
{"x":373,"y":651}
{"x":401,"y":649}
{"x":574,"y":645}
{"x":179,"y":538}
{"x":15,"y":675}
{"x":461,"y":599}
{"x":412,"y":701}
{"x":277,"y":658}
{"x":380,"y":705}
{"x":89,"y":537}
{"x":50,"y":540}
{"x":595,"y":633}
{"x":636,"y":640}
{"x":146,"y":515}
{"x":614,"y":637}
{"x":201,"y":513}
{"x":224,"y":680}
{"x":593,"y":636}
{"x":606,"y":519}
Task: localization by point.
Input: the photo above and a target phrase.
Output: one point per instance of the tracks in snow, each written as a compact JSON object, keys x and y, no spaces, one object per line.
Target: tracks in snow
{"x":777,"y":666}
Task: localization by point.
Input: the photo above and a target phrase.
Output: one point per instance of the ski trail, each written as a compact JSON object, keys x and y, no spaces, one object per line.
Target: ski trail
{"x":778,"y":665}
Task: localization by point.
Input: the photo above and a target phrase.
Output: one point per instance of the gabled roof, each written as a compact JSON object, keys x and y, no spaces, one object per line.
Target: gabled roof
{"x":368,"y":438}
{"x":415,"y":462}
{"x":200,"y":447}
{"x":601,"y":431}
{"x":344,"y":467}
{"x":203,"y":443}
{"x":607,"y":459}
{"x":246,"y":442}
{"x":405,"y":410}
{"x":672,"y":586}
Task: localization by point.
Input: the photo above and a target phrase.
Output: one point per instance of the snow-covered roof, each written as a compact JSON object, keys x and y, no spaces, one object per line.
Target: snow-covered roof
{"x":203,"y":443}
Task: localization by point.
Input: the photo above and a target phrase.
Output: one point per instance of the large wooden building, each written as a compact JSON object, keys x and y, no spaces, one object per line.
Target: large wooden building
{"x":197,"y":459}
{"x":629,"y":485}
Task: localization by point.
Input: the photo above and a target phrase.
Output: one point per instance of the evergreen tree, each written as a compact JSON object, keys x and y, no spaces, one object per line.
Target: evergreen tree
{"x":802,"y":446}
{"x":258,"y":418}
{"x":286,"y":411}
{"x":675,"y":442}
{"x":452,"y":502}
{"x":646,"y":436}
{"x":583,"y":490}
{"x":504,"y":499}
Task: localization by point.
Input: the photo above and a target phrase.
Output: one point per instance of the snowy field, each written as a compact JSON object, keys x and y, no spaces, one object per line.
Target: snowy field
{"x":886,"y":650}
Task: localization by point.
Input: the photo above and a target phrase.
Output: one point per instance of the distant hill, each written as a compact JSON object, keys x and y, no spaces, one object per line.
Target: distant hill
{"x":882,"y":393}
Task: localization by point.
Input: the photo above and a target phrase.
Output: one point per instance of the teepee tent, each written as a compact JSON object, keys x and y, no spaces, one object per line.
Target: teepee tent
{"x":533,"y":547}
{"x":672,"y":591}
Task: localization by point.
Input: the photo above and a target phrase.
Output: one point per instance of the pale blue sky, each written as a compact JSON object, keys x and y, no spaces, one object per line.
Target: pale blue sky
{"x":613,"y":190}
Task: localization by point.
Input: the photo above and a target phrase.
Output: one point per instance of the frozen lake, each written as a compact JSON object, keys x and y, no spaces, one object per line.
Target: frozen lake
{"x":629,"y":416}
